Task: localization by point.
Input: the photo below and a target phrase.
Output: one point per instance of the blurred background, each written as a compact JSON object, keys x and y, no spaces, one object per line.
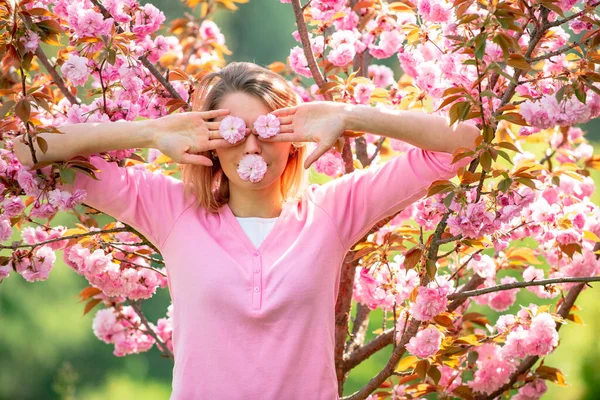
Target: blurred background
{"x":48,"y":349}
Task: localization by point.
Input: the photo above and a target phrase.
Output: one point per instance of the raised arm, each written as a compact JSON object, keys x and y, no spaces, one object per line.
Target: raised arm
{"x":356,"y":201}
{"x":87,"y":139}
{"x":149,"y":202}
{"x":426,"y":131}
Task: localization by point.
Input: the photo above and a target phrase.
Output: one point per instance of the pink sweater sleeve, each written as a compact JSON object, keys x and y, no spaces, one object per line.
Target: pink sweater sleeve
{"x":149,"y":202}
{"x":356,"y":201}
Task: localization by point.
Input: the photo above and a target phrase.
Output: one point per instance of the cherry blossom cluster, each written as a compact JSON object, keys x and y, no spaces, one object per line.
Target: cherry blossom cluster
{"x":123,"y":328}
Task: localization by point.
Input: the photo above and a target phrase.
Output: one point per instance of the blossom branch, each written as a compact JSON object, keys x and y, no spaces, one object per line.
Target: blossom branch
{"x":55,"y":76}
{"x":138,"y":309}
{"x":388,"y":369}
{"x":310,"y":58}
{"x":562,"y":50}
{"x":515,"y":285}
{"x":75,"y":236}
{"x":588,"y":8}
{"x":530,"y":361}
{"x":359,"y":329}
{"x":145,"y":60}
{"x":536,"y":36}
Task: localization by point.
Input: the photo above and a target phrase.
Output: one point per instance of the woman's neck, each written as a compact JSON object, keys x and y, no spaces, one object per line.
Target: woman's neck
{"x":256,"y":203}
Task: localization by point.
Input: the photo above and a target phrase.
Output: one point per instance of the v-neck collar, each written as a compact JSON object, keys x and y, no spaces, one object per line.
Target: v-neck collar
{"x":237,"y":228}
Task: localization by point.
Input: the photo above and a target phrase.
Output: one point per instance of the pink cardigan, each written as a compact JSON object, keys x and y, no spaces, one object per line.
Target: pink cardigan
{"x":258,"y":323}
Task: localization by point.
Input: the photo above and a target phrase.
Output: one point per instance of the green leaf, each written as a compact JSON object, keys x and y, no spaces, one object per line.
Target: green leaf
{"x":503,"y":154}
{"x":431,"y":268}
{"x":68,"y":176}
{"x":509,"y":146}
{"x":480,"y":45}
{"x":422,"y":368}
{"x":111,"y":56}
{"x":560,"y":93}
{"x":485,"y":159}
{"x":435,"y":374}
{"x":504,"y":185}
{"x":448,"y":199}
{"x":42,"y":143}
{"x":23,"y":110}
{"x":472,"y":357}
{"x":580,"y":93}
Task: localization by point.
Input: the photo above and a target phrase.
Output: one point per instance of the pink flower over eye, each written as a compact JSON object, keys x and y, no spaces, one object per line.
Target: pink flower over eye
{"x":267,"y":126}
{"x":232,"y":129}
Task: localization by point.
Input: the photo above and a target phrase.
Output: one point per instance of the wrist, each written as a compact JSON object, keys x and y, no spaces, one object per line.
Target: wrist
{"x":350,"y":117}
{"x":147,"y":134}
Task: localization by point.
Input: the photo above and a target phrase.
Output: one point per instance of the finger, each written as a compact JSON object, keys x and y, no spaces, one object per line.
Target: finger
{"x":218,"y":144}
{"x":321,"y":149}
{"x":195,"y":159}
{"x":282,"y":112}
{"x":285,"y":137}
{"x":214,"y":113}
{"x":286,"y":129}
{"x":285,"y":120}
{"x":214,"y":134}
{"x":214,"y":125}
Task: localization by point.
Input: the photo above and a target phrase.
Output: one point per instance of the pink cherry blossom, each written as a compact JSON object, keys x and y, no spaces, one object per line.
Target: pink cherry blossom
{"x":331,"y":163}
{"x":341,"y":54}
{"x":362,"y":93}
{"x":75,"y":68}
{"x":381,"y":75}
{"x":493,"y":370}
{"x":434,"y":10}
{"x":532,"y":390}
{"x":502,"y":300}
{"x":298,"y":62}
{"x":429,"y":303}
{"x":542,"y":336}
{"x":12,"y":206}
{"x":252,"y":168}
{"x":41,"y":265}
{"x":426,"y":342}
{"x":267,"y":125}
{"x":30,"y":41}
{"x":232,"y":129}
{"x":147,"y":20}
{"x":5,"y":229}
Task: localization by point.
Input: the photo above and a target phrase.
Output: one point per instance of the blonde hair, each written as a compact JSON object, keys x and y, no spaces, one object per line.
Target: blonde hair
{"x":210,"y":185}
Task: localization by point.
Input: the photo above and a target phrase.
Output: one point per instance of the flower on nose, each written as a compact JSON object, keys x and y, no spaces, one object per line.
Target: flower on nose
{"x":267,"y":126}
{"x":232,"y":129}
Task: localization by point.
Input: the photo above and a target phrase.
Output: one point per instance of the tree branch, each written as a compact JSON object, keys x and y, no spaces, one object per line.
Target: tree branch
{"x":516,"y":285}
{"x":562,"y":50}
{"x":310,"y":58}
{"x":580,"y":13}
{"x":55,"y":76}
{"x":160,"y":344}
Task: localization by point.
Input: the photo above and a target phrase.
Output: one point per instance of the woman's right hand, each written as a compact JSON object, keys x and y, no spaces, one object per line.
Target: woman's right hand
{"x":182,"y":136}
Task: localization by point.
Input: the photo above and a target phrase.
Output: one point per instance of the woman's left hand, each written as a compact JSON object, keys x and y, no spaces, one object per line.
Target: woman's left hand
{"x":322,"y":122}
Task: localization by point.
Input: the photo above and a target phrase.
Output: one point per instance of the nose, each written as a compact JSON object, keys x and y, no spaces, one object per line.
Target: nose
{"x":252,"y":144}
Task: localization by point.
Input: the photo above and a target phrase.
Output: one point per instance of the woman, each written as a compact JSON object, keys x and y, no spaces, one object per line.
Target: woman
{"x":254,"y":268}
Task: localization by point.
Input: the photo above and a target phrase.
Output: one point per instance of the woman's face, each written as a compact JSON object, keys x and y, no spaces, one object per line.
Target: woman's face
{"x":275,"y":154}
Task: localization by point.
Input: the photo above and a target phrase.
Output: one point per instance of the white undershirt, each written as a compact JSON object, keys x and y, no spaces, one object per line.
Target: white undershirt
{"x":257,"y":228}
